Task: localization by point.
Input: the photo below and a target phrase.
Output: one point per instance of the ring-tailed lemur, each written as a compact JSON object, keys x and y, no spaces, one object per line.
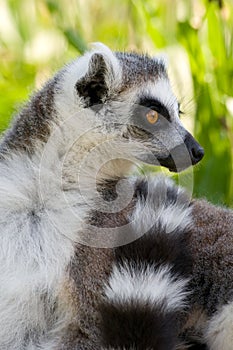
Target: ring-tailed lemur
{"x":95,"y":118}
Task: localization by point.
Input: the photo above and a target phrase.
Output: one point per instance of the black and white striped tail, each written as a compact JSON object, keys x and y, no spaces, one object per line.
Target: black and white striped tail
{"x":147,"y":289}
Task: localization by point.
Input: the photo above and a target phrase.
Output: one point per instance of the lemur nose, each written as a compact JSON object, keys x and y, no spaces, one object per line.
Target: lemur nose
{"x":196,"y":152}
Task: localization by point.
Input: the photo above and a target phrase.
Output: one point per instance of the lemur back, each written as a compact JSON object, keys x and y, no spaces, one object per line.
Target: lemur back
{"x":62,"y":211}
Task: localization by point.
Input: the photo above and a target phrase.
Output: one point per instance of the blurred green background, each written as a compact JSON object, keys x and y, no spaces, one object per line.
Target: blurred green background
{"x":37,"y":37}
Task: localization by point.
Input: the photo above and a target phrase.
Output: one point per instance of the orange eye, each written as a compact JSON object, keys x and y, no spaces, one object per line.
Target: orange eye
{"x":152,"y":116}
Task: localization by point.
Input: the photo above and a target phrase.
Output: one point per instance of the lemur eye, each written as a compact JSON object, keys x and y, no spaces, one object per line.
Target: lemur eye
{"x":152,"y":116}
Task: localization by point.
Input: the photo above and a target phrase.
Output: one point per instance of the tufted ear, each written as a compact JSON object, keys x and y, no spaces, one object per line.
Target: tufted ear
{"x":95,"y":85}
{"x":163,"y":59}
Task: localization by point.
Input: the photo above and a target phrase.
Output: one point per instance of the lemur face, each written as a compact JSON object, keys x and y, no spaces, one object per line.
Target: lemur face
{"x":131,"y":97}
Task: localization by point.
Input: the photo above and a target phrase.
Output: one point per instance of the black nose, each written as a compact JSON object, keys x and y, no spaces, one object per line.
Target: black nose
{"x":196,"y":152}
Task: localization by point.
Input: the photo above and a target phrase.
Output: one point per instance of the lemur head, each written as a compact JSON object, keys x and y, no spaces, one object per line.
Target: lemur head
{"x":129,"y":99}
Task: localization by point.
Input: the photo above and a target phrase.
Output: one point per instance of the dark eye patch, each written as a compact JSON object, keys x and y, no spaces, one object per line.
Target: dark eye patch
{"x":139,"y":127}
{"x":155,"y":105}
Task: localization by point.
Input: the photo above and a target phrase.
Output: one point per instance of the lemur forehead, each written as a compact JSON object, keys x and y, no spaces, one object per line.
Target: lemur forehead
{"x":138,"y":69}
{"x":162,"y":92}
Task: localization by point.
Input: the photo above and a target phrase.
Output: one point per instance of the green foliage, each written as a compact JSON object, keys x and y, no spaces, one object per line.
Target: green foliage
{"x":39,"y":36}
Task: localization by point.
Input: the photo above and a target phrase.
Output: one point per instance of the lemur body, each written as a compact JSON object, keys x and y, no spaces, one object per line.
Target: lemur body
{"x":51,"y":285}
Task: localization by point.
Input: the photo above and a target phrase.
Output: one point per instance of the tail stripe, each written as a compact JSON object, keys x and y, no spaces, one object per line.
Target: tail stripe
{"x":148,"y":287}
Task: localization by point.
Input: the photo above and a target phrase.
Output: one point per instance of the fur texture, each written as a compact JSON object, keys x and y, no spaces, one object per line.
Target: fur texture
{"x":147,"y":290}
{"x":212,"y":250}
{"x":51,"y":158}
{"x":65,"y":203}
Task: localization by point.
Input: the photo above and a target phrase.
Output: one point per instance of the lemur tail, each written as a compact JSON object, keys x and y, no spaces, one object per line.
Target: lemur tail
{"x":147,"y":290}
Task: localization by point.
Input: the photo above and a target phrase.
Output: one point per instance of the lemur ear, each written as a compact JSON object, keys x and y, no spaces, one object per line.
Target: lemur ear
{"x":163,"y":59}
{"x":94,"y":85}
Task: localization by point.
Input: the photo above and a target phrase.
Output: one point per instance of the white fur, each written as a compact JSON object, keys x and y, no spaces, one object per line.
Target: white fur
{"x":67,"y":101}
{"x":31,"y":265}
{"x":146,"y":284}
{"x":162,"y":58}
{"x":35,"y":249}
{"x":163,"y":92}
{"x":156,"y":210}
{"x":219,"y":332}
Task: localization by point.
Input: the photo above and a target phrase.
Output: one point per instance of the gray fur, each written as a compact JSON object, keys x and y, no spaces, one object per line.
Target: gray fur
{"x":33,"y":122}
{"x":212,"y":248}
{"x":211,"y":244}
{"x":142,"y":67}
